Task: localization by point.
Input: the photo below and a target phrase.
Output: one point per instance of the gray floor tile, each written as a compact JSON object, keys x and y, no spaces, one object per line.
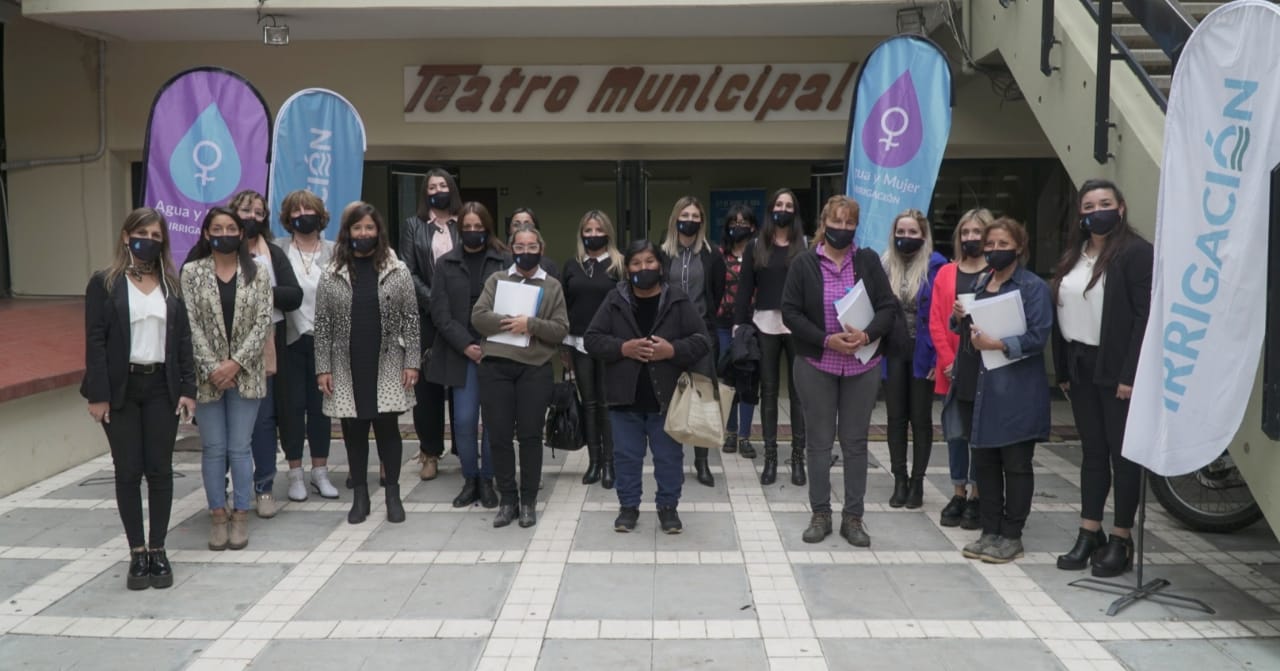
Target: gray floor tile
{"x":1052,"y":488}
{"x":703,"y":532}
{"x":600,"y":592}
{"x":850,"y":592}
{"x":459,"y":592}
{"x":199,"y":592}
{"x":95,"y":654}
{"x":683,"y":592}
{"x":102,"y":485}
{"x":418,"y":533}
{"x":369,"y":655}
{"x":370,"y":592}
{"x":558,"y":655}
{"x":475,"y":532}
{"x":889,"y":532}
{"x":1256,"y":538}
{"x":735,"y":655}
{"x":937,"y":655}
{"x":1191,"y":581}
{"x":1180,"y":655}
{"x":288,"y":530}
{"x":48,"y":527}
{"x":952,"y":592}
{"x":19,"y":574}
{"x":1056,"y":532}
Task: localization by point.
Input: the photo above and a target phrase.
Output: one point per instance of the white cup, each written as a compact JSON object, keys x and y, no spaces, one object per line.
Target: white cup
{"x":966,"y":301}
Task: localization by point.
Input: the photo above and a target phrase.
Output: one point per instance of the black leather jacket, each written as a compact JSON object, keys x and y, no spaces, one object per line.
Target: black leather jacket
{"x":415,"y":251}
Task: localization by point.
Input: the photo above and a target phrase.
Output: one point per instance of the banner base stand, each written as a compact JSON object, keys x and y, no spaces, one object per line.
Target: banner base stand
{"x":1152,"y":590}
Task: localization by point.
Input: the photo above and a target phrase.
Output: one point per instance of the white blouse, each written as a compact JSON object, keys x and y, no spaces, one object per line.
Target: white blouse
{"x":1080,"y":313}
{"x":308,"y":268}
{"x":147,"y":316}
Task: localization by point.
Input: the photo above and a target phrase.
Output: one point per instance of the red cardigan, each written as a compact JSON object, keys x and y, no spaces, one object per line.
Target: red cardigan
{"x":945,"y":341}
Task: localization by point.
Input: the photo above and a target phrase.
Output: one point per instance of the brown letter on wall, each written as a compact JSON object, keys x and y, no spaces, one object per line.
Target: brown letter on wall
{"x":726,"y":102}
{"x":619,"y":85}
{"x":779,"y":95}
{"x":561,"y":94}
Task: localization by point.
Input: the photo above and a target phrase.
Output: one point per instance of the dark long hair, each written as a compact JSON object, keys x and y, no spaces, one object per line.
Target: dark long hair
{"x":248,"y":267}
{"x":748,"y":217}
{"x":353,"y":214}
{"x":455,"y":198}
{"x":477,"y":208}
{"x":248,"y":196}
{"x":764,"y":238}
{"x":641,"y":246}
{"x":1114,"y":241}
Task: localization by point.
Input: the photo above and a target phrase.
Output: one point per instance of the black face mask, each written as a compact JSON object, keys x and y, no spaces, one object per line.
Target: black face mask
{"x":145,"y":250}
{"x":782,"y":218}
{"x":306,"y":223}
{"x":439,"y":200}
{"x":840,"y":238}
{"x":225,"y":244}
{"x":474,"y":239}
{"x":1000,"y":259}
{"x":528,"y":261}
{"x":1100,"y":222}
{"x":971,"y":248}
{"x":252,"y":228}
{"x":739,"y":233}
{"x":689,"y":228}
{"x":595,"y":243}
{"x":364,"y":245}
{"x":646,"y":279}
{"x":908,"y":246}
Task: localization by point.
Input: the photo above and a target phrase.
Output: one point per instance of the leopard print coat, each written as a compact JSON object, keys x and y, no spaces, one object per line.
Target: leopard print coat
{"x":398,"y":304}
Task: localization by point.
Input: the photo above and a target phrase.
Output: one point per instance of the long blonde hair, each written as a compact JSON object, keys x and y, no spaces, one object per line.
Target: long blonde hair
{"x":671,"y":244}
{"x":615,"y":257}
{"x":908,"y":274}
{"x":167,"y":275}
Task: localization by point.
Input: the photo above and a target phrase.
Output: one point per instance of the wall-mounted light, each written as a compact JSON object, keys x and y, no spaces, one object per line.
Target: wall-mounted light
{"x":911,"y":20}
{"x":275,"y":34}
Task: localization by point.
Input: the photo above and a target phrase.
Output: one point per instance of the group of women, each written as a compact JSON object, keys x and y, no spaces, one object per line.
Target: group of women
{"x":260,"y":338}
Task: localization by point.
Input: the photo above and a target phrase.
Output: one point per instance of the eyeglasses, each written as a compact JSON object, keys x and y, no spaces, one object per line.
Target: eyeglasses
{"x":526,"y":249}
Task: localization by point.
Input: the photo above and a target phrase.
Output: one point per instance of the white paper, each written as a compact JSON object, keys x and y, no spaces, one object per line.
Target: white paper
{"x":999,"y":317}
{"x":854,"y":309}
{"x":515,"y":299}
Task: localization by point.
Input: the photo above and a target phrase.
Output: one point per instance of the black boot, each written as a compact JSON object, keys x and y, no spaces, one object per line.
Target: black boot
{"x":900,"y":486}
{"x":797,"y":466}
{"x":470,"y":493}
{"x":359,"y":504}
{"x":139,"y":570}
{"x":592,"y":475}
{"x":700,"y":465}
{"x":915,"y":493}
{"x":1114,"y":558}
{"x":971,"y":519}
{"x":769,"y":474}
{"x":730,"y":444}
{"x":488,"y":495}
{"x":161,"y":569}
{"x":1087,"y":544}
{"x":746,"y":449}
{"x":505,"y":516}
{"x":395,"y":509}
{"x":606,"y":466}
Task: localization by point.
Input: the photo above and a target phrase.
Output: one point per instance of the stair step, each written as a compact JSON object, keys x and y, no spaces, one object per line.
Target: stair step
{"x":1134,"y":36}
{"x":1163,"y":82}
{"x":1154,"y":61}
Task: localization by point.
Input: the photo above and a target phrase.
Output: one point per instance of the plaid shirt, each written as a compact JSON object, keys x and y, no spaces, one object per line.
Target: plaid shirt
{"x":836,"y":282}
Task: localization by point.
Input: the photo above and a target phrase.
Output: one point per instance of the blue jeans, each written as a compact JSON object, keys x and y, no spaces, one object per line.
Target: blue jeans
{"x":958,"y":455}
{"x":740,"y":421}
{"x":264,"y":441}
{"x":226,"y":430}
{"x":466,"y":428}
{"x":631,"y":432}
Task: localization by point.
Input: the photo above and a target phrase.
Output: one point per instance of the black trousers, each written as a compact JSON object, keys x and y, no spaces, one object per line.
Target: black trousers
{"x":304,"y":416}
{"x":1007,"y":482}
{"x":428,"y":412}
{"x":1100,"y":418}
{"x":141,"y":435}
{"x":589,"y":374}
{"x":908,"y":399}
{"x":773,"y":349}
{"x":386,"y":429}
{"x":513,"y":402}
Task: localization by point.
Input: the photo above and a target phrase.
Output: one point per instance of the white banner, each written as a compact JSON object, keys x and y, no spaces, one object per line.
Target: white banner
{"x":1208,"y":310}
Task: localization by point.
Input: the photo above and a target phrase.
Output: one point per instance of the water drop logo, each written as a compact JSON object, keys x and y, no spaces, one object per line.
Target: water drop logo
{"x":205,"y":166}
{"x":894,"y":129}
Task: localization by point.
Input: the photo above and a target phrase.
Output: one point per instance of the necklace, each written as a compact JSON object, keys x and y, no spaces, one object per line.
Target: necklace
{"x":307,"y":263}
{"x":138,"y":270}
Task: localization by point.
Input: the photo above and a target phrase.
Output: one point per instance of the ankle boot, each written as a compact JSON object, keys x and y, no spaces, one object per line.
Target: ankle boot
{"x":700,"y":465}
{"x":769,"y":474}
{"x":395,"y":509}
{"x":606,"y":467}
{"x":238,"y":532}
{"x":915,"y":493}
{"x":139,"y":570}
{"x":488,"y":495}
{"x":1087,"y":544}
{"x":900,"y":487}
{"x":746,"y":449}
{"x":592,"y":475}
{"x":359,"y":504}
{"x":218,"y":529}
{"x":470,"y":493}
{"x":798,"y":476}
{"x":1114,"y":558}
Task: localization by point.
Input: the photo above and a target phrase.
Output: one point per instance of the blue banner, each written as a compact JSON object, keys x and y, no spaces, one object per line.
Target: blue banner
{"x":898,"y":133}
{"x":319,"y":146}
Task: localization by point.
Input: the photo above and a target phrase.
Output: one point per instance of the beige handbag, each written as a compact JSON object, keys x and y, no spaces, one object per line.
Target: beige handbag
{"x":697,"y":411}
{"x":269,"y":353}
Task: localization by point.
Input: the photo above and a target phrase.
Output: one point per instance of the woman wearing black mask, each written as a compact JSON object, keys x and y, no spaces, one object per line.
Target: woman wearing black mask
{"x":516,"y":381}
{"x":587,"y":280}
{"x":367,"y":351}
{"x":739,"y":231}
{"x":699,"y":272}
{"x":304,"y":216}
{"x":764,"y":272}
{"x":139,"y":379}
{"x":229,"y":302}
{"x":524,"y":216}
{"x":1102,"y":290}
{"x":286,"y":296}
{"x":1011,"y":406}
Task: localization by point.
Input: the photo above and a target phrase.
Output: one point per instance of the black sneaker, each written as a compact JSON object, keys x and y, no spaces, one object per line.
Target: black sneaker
{"x":953,"y":512}
{"x":669,"y":520}
{"x":139,"y":570}
{"x":626,"y":521}
{"x":971,"y":519}
{"x":730,"y":444}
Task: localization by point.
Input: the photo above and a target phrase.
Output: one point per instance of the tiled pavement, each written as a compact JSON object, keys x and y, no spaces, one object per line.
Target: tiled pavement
{"x":738,"y":590}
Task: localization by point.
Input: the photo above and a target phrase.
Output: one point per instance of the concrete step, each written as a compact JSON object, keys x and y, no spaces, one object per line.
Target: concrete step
{"x":1154,"y":61}
{"x":1134,"y":36}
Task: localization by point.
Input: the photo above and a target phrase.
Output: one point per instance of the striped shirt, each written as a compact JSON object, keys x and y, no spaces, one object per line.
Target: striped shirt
{"x":836,"y":282}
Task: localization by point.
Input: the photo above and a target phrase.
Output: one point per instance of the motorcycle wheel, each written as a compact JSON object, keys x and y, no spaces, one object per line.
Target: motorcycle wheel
{"x":1199,"y":501}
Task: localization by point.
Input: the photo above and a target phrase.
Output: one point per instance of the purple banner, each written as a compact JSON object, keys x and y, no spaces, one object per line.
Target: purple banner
{"x":208,"y":138}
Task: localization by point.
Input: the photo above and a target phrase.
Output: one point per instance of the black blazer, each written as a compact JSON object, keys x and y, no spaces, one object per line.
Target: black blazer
{"x":107,"y":343}
{"x":415,"y":251}
{"x":451,"y":312}
{"x":1126,"y":303}
{"x":804,"y":308}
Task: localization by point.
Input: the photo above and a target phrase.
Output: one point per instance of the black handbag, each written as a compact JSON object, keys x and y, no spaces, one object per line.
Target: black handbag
{"x":564,"y":428}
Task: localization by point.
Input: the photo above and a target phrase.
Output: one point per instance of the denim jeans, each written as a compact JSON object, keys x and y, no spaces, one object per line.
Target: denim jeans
{"x":740,"y":420}
{"x":226,"y":430}
{"x":958,"y":455}
{"x":264,"y":441}
{"x":631,"y":432}
{"x":466,"y":428}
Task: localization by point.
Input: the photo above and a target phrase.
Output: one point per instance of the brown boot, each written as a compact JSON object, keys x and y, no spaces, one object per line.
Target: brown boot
{"x":430,"y":466}
{"x":218,"y":529}
{"x":238,"y":537}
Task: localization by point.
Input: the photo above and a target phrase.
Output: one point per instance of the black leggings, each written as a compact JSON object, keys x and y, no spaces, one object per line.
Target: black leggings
{"x":1100,"y":418}
{"x":141,"y":435}
{"x":908,"y":399}
{"x":428,"y":412}
{"x":386,"y":429}
{"x":589,"y":374}
{"x":513,"y":400}
{"x":772,"y":350}
{"x":1007,"y":482}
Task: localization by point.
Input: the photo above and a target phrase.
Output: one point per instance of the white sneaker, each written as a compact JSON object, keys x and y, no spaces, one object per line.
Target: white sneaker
{"x":320,"y":480}
{"x":266,"y":505}
{"x":297,"y":486}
